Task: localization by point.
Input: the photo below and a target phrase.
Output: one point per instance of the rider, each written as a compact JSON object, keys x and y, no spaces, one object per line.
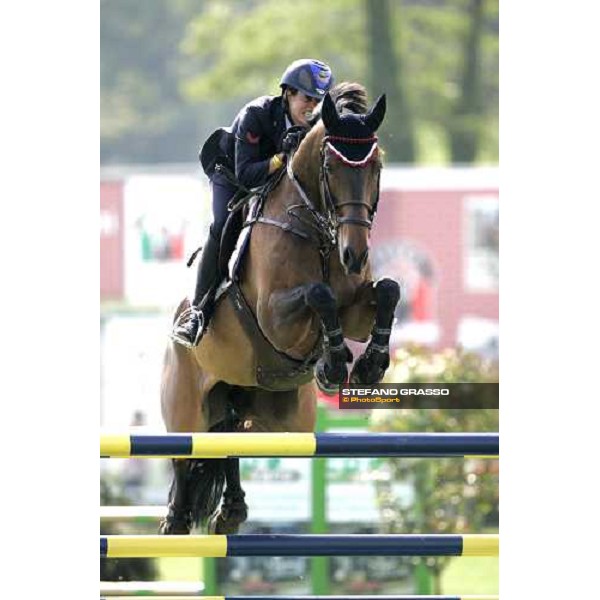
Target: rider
{"x":255,"y":147}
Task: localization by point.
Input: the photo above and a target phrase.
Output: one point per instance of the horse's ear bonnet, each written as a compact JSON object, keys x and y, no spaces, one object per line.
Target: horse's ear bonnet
{"x":329,"y":113}
{"x":352,"y":135}
{"x":375,"y":116}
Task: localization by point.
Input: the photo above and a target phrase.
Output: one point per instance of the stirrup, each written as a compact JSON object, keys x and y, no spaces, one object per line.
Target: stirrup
{"x":182,"y":341}
{"x":180,"y":338}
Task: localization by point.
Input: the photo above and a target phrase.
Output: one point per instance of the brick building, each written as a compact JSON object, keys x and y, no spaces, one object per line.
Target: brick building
{"x":436,"y":231}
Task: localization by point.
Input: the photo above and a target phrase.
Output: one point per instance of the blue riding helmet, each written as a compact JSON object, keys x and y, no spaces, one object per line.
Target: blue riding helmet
{"x":311,"y":77}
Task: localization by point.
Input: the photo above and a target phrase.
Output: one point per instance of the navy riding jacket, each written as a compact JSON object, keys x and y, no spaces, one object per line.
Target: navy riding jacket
{"x":253,"y":138}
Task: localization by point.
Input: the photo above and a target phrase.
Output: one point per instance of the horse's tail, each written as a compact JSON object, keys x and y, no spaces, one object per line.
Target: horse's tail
{"x":207,"y":476}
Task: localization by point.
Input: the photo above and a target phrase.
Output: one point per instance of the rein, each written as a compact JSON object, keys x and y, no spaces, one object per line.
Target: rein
{"x":325,"y":225}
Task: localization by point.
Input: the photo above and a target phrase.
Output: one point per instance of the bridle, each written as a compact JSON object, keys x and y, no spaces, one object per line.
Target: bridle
{"x":326,"y":225}
{"x":330,"y":201}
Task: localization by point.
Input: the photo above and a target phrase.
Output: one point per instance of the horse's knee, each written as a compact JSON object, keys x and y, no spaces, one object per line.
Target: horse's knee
{"x":388,"y":292}
{"x":319,"y":296}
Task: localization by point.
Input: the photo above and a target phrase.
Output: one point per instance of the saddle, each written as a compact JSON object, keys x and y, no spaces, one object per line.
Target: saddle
{"x":216,"y":150}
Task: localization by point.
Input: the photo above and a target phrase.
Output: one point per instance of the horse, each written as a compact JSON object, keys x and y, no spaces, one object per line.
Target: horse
{"x":303,"y":286}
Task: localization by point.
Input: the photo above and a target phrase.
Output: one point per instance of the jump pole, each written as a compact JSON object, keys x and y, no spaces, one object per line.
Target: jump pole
{"x":355,"y":445}
{"x":217,"y":546}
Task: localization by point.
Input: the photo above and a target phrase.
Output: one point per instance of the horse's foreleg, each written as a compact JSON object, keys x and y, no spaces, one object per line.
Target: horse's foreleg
{"x":291,"y":311}
{"x":330,"y":370}
{"x":370,"y":368}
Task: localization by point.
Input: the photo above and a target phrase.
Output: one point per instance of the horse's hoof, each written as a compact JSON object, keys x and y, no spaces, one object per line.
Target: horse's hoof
{"x":369,"y":369}
{"x":220,"y":524}
{"x":329,"y":389}
{"x":325,"y":382}
{"x":171,"y":526}
{"x":336,"y":376}
{"x":213,"y":523}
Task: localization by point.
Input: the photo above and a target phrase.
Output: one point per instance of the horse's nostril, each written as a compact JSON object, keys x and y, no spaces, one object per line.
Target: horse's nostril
{"x":364,"y":258}
{"x":353,"y":263}
{"x":348,"y":256}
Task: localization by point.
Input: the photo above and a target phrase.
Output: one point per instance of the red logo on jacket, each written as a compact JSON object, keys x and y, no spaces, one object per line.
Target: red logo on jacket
{"x":253,"y":139}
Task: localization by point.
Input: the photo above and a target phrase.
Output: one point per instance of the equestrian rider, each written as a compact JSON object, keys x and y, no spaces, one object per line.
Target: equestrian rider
{"x":254,"y":147}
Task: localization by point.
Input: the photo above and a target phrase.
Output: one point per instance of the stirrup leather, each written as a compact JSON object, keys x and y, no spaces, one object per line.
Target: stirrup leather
{"x":201,"y":328}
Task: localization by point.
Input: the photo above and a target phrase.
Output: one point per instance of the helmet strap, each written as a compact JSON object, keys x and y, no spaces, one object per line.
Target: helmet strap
{"x":286,"y":104}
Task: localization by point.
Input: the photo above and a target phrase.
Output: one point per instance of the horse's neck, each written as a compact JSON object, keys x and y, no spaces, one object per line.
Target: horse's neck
{"x":306,"y":164}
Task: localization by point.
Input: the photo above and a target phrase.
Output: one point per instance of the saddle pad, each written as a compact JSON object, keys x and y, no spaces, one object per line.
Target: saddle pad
{"x":240,"y":248}
{"x":235,"y":261}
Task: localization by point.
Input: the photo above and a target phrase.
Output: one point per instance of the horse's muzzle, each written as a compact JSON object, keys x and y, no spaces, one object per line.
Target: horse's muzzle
{"x":354,"y":264}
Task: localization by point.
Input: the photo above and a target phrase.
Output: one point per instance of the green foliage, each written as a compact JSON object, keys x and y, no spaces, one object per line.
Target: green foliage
{"x":251,"y":47}
{"x":451,"y":495}
{"x":418,"y":364}
{"x":386,"y":74}
{"x":173,"y":70}
{"x":250,"y":44}
{"x":144,"y":116}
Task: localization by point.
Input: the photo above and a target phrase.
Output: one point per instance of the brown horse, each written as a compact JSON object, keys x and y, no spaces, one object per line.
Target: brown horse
{"x":304,"y":285}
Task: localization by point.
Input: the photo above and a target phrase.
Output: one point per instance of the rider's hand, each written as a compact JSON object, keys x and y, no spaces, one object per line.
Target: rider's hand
{"x":292,"y":138}
{"x":276,"y":163}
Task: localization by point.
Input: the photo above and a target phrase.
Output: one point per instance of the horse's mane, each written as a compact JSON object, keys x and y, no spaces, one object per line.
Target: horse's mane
{"x":347,"y":97}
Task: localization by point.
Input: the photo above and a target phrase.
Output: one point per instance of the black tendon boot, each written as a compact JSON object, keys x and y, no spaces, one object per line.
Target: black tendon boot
{"x":191,"y":323}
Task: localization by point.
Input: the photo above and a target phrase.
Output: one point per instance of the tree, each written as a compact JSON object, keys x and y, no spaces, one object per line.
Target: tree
{"x":452,"y":66}
{"x":414,"y":51}
{"x":249,"y":44}
{"x":386,"y":74}
{"x":465,"y":123}
{"x":174,"y":71}
{"x":145,"y":118}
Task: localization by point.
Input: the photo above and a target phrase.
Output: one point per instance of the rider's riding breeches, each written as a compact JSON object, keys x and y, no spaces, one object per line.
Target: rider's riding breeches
{"x":207,"y":274}
{"x":222,"y":193}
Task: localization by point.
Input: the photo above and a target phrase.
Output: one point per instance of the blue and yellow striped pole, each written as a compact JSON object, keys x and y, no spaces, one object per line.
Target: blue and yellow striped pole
{"x":357,"y":445}
{"x":217,"y":546}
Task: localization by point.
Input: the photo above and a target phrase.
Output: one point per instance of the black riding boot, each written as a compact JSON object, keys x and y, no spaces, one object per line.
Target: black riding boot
{"x":191,"y":324}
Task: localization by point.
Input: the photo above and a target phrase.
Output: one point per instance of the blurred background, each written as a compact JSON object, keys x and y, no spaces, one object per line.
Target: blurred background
{"x":172,"y":71}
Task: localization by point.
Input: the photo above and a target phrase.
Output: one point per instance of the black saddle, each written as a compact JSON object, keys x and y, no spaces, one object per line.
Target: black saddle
{"x":216,"y":150}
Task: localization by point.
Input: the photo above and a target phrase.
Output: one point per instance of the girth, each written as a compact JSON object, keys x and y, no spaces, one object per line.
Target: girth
{"x":275,"y":370}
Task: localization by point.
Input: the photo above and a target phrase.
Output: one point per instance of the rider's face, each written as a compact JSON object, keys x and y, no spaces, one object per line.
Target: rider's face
{"x":301,"y":107}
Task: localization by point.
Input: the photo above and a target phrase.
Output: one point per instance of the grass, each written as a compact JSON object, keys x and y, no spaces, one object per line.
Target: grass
{"x":472,"y":575}
{"x":180,"y":569}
